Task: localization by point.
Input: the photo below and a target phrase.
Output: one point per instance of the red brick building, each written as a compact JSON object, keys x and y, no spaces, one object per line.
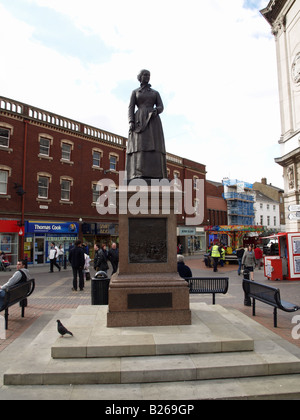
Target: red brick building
{"x":216,"y":204}
{"x":49,"y":169}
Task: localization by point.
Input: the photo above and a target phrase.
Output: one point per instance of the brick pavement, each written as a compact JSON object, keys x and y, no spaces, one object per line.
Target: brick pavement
{"x":53,"y":292}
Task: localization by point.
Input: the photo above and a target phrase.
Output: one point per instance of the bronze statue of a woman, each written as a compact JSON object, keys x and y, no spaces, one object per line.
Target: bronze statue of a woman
{"x":146,"y":152}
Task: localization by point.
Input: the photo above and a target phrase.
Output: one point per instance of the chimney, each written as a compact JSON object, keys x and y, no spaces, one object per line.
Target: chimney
{"x":264,"y":181}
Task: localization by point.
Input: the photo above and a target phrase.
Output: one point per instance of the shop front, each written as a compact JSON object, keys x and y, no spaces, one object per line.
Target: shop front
{"x":39,"y":235}
{"x":10,"y":231}
{"x":190,"y":240}
{"x":103,"y":233}
{"x":285,"y":265}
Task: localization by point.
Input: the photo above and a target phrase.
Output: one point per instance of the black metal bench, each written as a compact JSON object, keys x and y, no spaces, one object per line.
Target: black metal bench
{"x":208,"y":285}
{"x":17,"y":294}
{"x":269,"y":295}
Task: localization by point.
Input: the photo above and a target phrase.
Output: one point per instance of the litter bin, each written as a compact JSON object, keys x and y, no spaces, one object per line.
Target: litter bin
{"x":247,"y":300}
{"x":99,"y":288}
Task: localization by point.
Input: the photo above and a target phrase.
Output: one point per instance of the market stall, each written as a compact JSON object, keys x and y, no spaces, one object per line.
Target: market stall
{"x":286,"y":265}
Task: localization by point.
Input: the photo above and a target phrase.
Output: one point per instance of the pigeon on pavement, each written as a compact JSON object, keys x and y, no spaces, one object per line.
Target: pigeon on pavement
{"x":62,"y":330}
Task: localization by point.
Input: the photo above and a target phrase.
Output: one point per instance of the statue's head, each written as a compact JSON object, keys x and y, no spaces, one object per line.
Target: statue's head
{"x":144,"y":73}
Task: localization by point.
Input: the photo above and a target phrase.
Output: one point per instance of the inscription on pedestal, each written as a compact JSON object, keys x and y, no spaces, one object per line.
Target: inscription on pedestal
{"x":147,"y":241}
{"x":150,"y":301}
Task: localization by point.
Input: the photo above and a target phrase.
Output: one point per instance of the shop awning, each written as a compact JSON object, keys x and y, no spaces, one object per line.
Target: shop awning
{"x":275,"y":236}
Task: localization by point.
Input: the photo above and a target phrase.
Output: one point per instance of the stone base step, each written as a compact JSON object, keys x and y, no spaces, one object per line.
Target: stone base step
{"x":268,"y":358}
{"x":210,"y":332}
{"x":256,"y":388}
{"x":153,"y":369}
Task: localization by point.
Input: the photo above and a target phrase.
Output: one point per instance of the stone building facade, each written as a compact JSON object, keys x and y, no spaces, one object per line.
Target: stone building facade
{"x":284,"y":18}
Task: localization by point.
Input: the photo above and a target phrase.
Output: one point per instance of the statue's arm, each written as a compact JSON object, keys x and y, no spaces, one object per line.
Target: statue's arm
{"x":159,"y":104}
{"x":131,"y":108}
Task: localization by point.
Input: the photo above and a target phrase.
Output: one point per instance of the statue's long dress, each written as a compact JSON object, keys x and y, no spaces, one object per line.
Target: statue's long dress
{"x":146,"y":152}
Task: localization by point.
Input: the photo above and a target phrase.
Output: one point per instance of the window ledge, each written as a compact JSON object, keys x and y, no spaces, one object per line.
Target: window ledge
{"x":66,"y":202}
{"x":112,"y":171}
{"x":6,"y":149}
{"x":67,"y":161}
{"x":43,"y":200}
{"x":6,"y":197}
{"x":45,"y":157}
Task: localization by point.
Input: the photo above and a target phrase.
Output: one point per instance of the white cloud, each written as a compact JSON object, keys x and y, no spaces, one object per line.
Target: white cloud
{"x":213,"y":63}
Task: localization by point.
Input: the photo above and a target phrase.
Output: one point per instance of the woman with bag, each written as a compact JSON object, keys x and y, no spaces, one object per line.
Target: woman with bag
{"x":249,"y":261}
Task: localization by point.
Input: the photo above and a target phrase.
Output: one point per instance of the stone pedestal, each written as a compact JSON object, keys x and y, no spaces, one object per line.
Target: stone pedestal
{"x":147,"y":290}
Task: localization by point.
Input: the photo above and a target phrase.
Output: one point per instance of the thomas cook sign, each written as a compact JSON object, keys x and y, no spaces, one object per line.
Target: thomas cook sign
{"x":51,"y":227}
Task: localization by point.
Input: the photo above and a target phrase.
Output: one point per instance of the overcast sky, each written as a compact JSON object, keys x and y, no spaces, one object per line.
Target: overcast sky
{"x":213,"y":62}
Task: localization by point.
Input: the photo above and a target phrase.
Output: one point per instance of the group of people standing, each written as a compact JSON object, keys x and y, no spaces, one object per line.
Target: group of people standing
{"x":79,"y":261}
{"x":249,"y":258}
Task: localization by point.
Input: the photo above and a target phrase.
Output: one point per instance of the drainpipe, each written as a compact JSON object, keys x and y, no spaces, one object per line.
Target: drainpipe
{"x":23,"y":186}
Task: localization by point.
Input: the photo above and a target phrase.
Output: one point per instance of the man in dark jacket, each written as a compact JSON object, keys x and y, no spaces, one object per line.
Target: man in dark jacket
{"x":76,"y":258}
{"x":113,"y":256}
{"x":183,"y":270}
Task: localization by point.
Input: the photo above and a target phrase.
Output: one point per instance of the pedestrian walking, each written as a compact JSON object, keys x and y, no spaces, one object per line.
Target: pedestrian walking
{"x":216,"y":254}
{"x":60,"y":255}
{"x":100,"y":259}
{"x":113,"y":256}
{"x":77,"y":261}
{"x":87,"y":261}
{"x":258,"y":256}
{"x":223,"y":255}
{"x":53,"y":254}
{"x":240,"y":253}
{"x":249,"y":261}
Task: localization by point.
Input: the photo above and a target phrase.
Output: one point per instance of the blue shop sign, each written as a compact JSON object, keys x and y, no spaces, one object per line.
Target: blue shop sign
{"x":51,"y":227}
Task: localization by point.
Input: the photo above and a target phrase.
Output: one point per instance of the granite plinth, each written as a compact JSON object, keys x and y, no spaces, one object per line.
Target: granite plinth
{"x":148,"y":300}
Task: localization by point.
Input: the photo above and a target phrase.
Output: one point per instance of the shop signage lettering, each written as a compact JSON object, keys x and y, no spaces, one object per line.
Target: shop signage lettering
{"x":48,"y":228}
{"x":187,"y":232}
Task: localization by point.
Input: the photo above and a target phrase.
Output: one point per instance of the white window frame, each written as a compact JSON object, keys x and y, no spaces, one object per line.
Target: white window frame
{"x":5,"y":137}
{"x":65,"y":189}
{"x":44,"y":187}
{"x":95,"y":192}
{"x":113,"y":162}
{"x":4,"y":182}
{"x":96,"y":163}
{"x":66,"y":151}
{"x":41,"y":153}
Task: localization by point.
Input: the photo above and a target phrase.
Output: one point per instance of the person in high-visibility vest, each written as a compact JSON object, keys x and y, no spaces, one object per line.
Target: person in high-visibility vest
{"x":215,"y":254}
